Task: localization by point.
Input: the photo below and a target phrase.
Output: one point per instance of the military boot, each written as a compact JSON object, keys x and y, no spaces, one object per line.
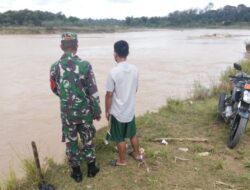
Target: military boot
{"x":92,"y":169}
{"x":76,"y":174}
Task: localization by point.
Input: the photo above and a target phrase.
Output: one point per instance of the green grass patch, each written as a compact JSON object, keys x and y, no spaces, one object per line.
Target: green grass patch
{"x":11,"y":182}
{"x":176,"y":119}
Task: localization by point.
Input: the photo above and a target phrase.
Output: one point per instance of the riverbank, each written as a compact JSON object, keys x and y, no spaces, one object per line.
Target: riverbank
{"x":100,"y":29}
{"x":79,"y":30}
{"x":53,"y":30}
{"x":178,"y":165}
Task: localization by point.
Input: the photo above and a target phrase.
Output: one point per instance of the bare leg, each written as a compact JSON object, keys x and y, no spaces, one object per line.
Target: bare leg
{"x":122,"y":151}
{"x":135,"y":145}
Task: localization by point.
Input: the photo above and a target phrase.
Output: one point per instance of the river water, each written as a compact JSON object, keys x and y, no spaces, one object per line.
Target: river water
{"x":169,"y":62}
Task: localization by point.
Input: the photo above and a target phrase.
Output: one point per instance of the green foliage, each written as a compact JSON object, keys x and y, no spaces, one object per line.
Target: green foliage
{"x":11,"y":182}
{"x":226,"y":16}
{"x":174,"y":105}
{"x":247,"y":165}
{"x":47,"y":19}
{"x":30,"y":170}
{"x":200,"y":92}
{"x":225,"y":85}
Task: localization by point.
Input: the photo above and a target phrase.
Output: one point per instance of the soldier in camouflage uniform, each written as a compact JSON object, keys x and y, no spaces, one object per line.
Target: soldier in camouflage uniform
{"x":72,"y":79}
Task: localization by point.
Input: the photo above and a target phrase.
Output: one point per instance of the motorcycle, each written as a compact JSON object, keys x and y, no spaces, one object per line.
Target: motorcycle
{"x":234,"y":108}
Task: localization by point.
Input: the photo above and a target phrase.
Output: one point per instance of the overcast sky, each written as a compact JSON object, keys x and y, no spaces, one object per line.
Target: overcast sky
{"x":118,"y":9}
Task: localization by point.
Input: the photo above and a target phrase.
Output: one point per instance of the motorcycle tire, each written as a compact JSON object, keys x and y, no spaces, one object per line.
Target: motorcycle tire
{"x":237,"y":129}
{"x":221,"y":103}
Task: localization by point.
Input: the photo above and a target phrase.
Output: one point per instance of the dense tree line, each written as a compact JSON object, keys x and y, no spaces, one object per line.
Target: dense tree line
{"x":228,"y":15}
{"x":48,"y":19}
{"x":32,"y":18}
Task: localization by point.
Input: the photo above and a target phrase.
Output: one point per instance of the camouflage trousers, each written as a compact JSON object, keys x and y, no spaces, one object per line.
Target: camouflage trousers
{"x":74,"y":150}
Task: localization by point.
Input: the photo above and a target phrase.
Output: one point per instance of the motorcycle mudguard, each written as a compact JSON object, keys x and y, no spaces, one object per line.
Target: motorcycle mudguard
{"x":244,"y":114}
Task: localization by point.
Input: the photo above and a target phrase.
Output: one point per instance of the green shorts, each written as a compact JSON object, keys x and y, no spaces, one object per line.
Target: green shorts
{"x":120,"y":131}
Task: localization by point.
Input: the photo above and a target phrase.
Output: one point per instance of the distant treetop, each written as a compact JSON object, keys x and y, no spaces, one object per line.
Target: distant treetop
{"x":226,"y":16}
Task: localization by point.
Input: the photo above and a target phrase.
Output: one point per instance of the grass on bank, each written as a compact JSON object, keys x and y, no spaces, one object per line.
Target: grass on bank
{"x":55,"y":30}
{"x":6,"y":30}
{"x":196,"y":117}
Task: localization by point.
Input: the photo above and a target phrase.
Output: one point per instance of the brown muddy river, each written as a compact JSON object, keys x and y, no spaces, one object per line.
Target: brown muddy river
{"x":169,"y":62}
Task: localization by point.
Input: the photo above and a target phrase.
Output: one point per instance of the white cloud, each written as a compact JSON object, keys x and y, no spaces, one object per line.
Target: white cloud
{"x":120,"y":1}
{"x":48,"y":2}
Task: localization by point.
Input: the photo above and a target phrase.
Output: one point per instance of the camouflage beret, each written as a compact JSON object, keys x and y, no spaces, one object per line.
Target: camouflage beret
{"x":68,"y":36}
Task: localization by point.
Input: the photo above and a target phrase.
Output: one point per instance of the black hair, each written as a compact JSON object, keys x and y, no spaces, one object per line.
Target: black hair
{"x":70,"y":44}
{"x":121,"y":48}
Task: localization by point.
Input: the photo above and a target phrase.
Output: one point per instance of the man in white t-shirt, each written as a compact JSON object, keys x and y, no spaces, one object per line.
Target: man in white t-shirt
{"x":121,"y":88}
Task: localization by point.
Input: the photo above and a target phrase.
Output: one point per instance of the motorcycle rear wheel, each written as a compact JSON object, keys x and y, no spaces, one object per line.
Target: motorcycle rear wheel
{"x":237,"y":129}
{"x":221,"y":102}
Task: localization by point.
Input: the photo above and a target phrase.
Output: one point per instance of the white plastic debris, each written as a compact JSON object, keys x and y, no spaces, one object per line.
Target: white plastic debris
{"x":164,"y":142}
{"x":142,"y":151}
{"x":196,"y":169}
{"x":183,"y":149}
{"x":203,"y":154}
{"x":106,"y":142}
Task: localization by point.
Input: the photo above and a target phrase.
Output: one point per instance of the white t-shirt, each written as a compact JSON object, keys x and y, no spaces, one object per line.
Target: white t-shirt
{"x":123,"y":82}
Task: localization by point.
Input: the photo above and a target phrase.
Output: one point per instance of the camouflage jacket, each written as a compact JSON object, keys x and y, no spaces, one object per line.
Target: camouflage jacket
{"x":73,"y":80}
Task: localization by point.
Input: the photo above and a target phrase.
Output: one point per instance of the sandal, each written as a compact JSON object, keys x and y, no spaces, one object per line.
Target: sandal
{"x":137,"y":158}
{"x":116,"y":163}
